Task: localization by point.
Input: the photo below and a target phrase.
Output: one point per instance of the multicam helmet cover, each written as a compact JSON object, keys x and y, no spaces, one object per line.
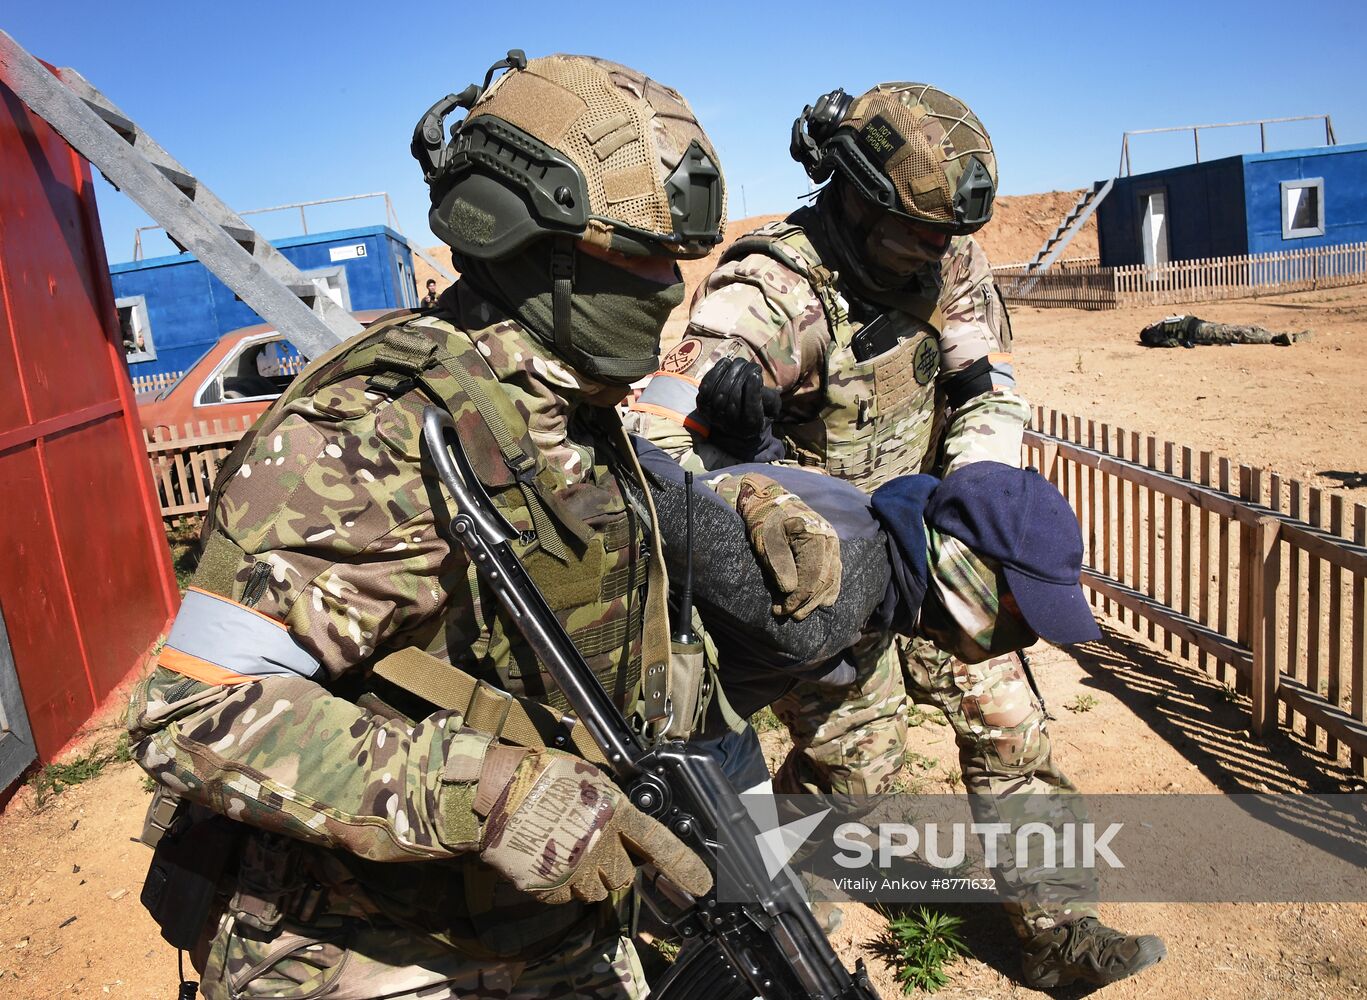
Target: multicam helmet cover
{"x":572,"y":146}
{"x":909,"y":147}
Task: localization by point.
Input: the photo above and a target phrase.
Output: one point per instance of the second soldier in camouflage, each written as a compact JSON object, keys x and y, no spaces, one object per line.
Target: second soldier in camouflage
{"x":865,"y":336}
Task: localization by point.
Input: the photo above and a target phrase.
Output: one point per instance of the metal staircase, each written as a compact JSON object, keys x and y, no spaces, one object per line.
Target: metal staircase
{"x":194,"y":217}
{"x":1070,"y":226}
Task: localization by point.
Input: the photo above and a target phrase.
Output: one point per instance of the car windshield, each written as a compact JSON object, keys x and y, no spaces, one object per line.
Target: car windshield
{"x":257,"y":369}
{"x":166,"y":393}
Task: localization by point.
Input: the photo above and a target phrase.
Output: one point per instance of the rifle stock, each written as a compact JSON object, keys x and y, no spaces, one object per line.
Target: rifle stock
{"x":770,"y":946}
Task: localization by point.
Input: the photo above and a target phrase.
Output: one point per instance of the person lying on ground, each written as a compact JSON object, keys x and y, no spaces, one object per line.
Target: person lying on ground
{"x":1190,"y":331}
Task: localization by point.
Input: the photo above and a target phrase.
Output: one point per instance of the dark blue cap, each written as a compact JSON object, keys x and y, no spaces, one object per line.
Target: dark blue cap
{"x":1017,"y":518}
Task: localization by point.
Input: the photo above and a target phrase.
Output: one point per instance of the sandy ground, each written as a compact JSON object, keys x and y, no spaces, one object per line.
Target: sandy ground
{"x":1156,"y":727}
{"x":1297,"y":410}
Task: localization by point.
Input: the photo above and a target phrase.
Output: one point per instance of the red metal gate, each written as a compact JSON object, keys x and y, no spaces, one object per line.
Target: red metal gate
{"x":85,"y":575}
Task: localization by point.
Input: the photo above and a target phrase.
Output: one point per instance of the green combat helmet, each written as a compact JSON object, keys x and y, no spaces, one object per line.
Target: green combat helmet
{"x":564,"y":150}
{"x":908,"y":147}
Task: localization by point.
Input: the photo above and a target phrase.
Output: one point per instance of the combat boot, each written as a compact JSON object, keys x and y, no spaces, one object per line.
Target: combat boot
{"x":1089,"y":951}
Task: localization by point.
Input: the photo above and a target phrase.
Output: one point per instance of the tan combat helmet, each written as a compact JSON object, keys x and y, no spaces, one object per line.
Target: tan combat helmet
{"x":908,"y":147}
{"x":576,"y":147}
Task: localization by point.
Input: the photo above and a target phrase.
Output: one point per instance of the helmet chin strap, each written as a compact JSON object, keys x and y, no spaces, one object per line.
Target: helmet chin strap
{"x":562,"y":292}
{"x":598,"y":367}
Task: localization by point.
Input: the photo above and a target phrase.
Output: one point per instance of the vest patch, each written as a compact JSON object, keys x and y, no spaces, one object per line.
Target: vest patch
{"x":880,"y":138}
{"x":926,"y":361}
{"x":682,"y":357}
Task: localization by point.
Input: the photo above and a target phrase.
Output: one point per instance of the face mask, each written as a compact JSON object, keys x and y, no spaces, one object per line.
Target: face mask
{"x":893,"y":250}
{"x":1007,"y":633}
{"x":616,"y":316}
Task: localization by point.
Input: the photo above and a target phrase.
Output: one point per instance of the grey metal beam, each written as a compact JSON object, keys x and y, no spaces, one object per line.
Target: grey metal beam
{"x":274,"y":262}
{"x":192,"y":223}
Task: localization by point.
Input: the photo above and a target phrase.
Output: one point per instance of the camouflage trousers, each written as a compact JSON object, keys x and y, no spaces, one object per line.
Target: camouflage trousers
{"x":852,"y":741}
{"x":366,"y":960}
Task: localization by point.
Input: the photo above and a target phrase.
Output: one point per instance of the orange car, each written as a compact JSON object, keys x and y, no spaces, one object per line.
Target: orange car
{"x":239,"y":377}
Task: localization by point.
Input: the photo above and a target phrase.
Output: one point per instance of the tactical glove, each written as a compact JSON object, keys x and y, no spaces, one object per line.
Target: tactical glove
{"x":797,"y":545}
{"x":558,"y":828}
{"x":740,"y":410}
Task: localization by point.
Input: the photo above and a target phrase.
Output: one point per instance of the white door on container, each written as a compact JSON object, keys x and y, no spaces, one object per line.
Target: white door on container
{"x":17,"y":750}
{"x":1155,"y":230}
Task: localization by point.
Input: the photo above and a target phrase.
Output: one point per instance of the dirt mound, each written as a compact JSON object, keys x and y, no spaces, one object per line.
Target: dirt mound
{"x":1020,"y":224}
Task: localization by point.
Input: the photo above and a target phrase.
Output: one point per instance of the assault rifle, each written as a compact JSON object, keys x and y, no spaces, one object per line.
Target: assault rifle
{"x":769,"y":947}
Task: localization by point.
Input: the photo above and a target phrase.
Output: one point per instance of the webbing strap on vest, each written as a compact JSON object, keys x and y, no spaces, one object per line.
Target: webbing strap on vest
{"x":406,"y":356}
{"x":655,"y":643}
{"x":788,"y":244}
{"x":486,"y":708}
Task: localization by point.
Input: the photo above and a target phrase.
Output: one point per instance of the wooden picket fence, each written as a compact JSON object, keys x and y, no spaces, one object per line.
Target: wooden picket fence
{"x":154,"y":383}
{"x":1237,"y":571}
{"x":1204,"y":280}
{"x":185,"y":461}
{"x":1072,"y":288}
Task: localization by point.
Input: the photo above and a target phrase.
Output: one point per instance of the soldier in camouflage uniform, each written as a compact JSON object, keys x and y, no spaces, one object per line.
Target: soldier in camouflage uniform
{"x":865,"y":335}
{"x":1191,"y":331}
{"x":386,"y":848}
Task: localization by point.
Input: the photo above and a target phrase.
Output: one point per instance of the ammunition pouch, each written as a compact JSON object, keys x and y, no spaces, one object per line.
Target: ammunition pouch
{"x":192,"y":850}
{"x":273,"y":883}
{"x":690,"y":686}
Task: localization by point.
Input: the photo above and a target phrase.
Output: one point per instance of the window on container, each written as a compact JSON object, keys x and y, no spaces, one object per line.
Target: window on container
{"x":135,"y":329}
{"x":1302,"y":208}
{"x":331,"y":281}
{"x":407,"y":290}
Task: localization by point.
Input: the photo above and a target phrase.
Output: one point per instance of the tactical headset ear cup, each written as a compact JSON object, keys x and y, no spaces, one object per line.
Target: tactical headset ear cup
{"x":828,"y":115}
{"x":502,"y":188}
{"x":813,"y":128}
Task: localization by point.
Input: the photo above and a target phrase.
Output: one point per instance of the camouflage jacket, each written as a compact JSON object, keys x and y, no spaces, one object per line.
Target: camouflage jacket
{"x":759,"y":306}
{"x":340,"y":546}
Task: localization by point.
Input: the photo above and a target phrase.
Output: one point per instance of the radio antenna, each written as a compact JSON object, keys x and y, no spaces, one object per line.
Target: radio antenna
{"x":684,"y":632}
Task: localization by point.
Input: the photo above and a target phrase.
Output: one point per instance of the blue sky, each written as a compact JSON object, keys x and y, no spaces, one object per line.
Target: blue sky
{"x":279,"y":102}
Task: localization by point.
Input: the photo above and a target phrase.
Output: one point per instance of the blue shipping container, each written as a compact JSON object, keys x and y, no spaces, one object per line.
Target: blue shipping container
{"x":1250,"y":204}
{"x":174,"y":309}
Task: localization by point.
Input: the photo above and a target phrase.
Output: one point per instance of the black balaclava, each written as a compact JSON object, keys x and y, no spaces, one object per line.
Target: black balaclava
{"x":615,"y":317}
